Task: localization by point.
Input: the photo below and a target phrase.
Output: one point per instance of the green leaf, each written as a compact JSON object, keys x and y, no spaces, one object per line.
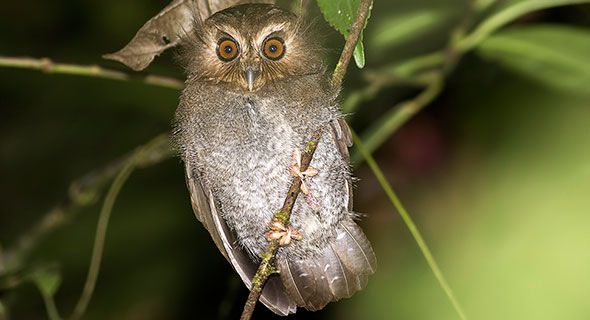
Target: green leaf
{"x":359,"y":53}
{"x":556,"y":55}
{"x":340,"y":15}
{"x":511,"y":11}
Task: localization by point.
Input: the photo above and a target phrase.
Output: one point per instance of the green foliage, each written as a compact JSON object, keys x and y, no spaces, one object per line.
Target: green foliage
{"x":507,"y":13}
{"x":340,"y":15}
{"x":399,"y":28}
{"x":409,"y":222}
{"x":508,"y":218}
{"x":556,"y":55}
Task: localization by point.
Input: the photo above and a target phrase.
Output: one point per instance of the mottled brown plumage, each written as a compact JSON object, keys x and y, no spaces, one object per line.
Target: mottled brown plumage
{"x":255,"y":91}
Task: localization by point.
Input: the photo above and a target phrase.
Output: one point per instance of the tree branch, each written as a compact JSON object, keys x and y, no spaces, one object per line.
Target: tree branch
{"x":283,"y":215}
{"x":353,"y":37}
{"x":48,"y":66}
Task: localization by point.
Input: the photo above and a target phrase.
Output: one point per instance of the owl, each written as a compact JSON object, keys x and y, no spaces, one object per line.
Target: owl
{"x":256,"y":89}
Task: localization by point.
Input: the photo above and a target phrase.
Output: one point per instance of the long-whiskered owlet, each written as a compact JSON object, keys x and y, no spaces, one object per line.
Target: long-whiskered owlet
{"x":257,"y":87}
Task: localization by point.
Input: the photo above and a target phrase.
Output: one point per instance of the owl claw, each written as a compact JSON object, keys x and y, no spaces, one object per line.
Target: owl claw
{"x":296,"y":171}
{"x":283,"y":234}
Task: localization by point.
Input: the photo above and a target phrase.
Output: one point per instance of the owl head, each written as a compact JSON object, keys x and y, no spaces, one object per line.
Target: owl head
{"x":251,"y":46}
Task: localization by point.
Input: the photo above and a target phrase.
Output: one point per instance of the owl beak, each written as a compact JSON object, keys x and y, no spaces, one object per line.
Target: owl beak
{"x":250,"y":78}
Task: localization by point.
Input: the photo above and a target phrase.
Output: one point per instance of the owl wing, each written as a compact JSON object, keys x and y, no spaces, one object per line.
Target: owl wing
{"x":342,"y":136}
{"x":273,"y":296}
{"x":343,"y":140}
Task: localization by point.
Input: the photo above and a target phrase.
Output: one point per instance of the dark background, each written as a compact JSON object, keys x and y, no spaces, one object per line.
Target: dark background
{"x":496,"y":173}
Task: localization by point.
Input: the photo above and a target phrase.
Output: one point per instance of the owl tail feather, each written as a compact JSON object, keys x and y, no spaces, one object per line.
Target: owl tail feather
{"x":338,"y":272}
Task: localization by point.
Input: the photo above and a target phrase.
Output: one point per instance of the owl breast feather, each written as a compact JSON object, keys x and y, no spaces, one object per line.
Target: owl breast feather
{"x":243,"y":147}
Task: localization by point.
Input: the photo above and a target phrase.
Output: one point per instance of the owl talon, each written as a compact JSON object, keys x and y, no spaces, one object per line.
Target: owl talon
{"x":283,"y":234}
{"x":296,"y":171}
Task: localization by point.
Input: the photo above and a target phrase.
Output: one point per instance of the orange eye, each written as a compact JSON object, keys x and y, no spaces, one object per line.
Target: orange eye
{"x":227,"y":49}
{"x":273,"y":48}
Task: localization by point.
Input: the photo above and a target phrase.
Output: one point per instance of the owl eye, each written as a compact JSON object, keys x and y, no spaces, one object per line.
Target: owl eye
{"x":273,"y":48}
{"x":227,"y":49}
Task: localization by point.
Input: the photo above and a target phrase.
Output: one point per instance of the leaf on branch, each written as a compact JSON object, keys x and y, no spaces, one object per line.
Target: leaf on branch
{"x":164,"y":30}
{"x":340,"y":15}
{"x":531,"y":51}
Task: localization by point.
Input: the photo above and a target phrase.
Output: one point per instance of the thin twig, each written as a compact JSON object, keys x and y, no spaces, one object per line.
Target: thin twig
{"x":49,"y":301}
{"x":283,"y":216}
{"x":354,"y":35}
{"x":48,"y":66}
{"x":386,"y":186}
{"x":101,"y":229}
{"x":103,"y":222}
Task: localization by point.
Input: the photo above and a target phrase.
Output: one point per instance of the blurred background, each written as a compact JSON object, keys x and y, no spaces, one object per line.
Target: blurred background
{"x":495,"y":170}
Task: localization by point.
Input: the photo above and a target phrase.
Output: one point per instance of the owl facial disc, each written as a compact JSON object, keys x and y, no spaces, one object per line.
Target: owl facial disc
{"x":249,"y":47}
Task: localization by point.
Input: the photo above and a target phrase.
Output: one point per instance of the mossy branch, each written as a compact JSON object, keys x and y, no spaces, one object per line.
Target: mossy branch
{"x":354,"y":35}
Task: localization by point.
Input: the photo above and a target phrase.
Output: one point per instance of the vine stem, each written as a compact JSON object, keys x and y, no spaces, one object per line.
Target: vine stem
{"x":103,"y":222}
{"x":396,"y":202}
{"x":52,"y":312}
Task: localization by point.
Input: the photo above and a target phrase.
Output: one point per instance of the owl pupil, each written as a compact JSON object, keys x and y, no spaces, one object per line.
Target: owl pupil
{"x":273,"y":48}
{"x":228,"y":49}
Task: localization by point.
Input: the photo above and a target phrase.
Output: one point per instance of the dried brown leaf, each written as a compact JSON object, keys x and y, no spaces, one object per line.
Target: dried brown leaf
{"x":164,"y":30}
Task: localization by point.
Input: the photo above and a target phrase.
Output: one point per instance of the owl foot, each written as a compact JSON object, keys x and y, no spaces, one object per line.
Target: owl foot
{"x":296,"y":171}
{"x":278,"y":231}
